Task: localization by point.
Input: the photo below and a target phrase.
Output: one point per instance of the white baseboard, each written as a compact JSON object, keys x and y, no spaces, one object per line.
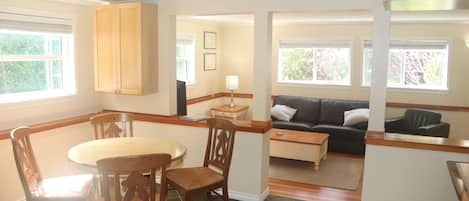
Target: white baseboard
{"x":249,"y":197}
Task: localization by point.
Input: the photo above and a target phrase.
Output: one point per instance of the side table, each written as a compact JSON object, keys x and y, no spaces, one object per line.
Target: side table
{"x":238,"y":112}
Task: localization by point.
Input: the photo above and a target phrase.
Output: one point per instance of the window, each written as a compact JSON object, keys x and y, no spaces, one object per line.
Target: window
{"x":317,"y":62}
{"x":185,"y":64}
{"x":414,"y":64}
{"x":35,"y":61}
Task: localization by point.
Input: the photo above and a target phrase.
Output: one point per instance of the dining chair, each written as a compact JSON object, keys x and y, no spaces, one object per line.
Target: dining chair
{"x":131,"y":171}
{"x":105,"y":125}
{"x":68,"y":188}
{"x":218,"y":153}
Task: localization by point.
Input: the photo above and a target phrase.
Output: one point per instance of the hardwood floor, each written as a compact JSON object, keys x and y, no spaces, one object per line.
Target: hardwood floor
{"x":310,"y":192}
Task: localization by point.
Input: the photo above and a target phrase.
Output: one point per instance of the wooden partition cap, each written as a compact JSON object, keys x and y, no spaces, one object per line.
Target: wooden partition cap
{"x":5,"y":134}
{"x":418,"y":142}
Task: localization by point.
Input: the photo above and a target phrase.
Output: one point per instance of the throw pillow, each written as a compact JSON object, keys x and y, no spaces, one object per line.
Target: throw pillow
{"x":283,"y":112}
{"x":356,"y":116}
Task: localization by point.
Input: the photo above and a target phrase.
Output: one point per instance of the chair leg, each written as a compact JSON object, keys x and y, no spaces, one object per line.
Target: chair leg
{"x":225,"y":192}
{"x":187,"y":197}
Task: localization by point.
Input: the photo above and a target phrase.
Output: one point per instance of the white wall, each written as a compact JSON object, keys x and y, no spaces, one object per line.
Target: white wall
{"x":164,"y":102}
{"x":393,"y":173}
{"x":85,"y":101}
{"x":206,"y":82}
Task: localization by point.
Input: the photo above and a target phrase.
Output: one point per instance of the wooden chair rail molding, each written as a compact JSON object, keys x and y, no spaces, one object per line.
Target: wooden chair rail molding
{"x":5,"y":134}
{"x":417,"y":142}
{"x":258,"y":127}
{"x":247,"y":126}
{"x":388,"y":104}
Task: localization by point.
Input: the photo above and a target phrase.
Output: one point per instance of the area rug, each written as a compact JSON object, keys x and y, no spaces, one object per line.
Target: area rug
{"x":335,"y":171}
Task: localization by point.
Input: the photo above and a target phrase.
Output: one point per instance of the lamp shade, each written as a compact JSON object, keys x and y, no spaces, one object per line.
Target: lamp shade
{"x":232,"y":82}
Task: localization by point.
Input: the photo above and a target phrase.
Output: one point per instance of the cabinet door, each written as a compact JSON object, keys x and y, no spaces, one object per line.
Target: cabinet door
{"x":105,"y":43}
{"x":130,"y":51}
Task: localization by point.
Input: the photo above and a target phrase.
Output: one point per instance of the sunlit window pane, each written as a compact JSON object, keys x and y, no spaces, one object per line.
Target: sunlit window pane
{"x":21,"y":43}
{"x":185,"y":59}
{"x":297,"y":64}
{"x":315,"y":64}
{"x":22,"y":76}
{"x":418,"y":65}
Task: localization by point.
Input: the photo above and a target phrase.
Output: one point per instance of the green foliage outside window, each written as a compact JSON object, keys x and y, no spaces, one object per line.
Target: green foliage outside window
{"x":330,"y":65}
{"x":297,"y":63}
{"x":25,"y":63}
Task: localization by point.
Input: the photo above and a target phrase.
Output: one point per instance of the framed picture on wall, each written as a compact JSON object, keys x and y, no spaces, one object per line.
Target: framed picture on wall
{"x":210,"y":40}
{"x":210,"y":61}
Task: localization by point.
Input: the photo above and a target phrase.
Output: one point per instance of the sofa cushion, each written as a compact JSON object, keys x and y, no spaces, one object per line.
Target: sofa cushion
{"x":356,"y":116}
{"x":332,"y":110}
{"x":340,"y":132}
{"x":283,"y":112}
{"x":307,"y":108}
{"x":301,"y":126}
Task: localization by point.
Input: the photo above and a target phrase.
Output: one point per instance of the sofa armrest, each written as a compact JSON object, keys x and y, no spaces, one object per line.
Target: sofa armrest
{"x":435,"y":130}
{"x":394,"y":125}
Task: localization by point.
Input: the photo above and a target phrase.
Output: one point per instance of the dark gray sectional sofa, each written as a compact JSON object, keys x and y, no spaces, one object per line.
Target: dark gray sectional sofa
{"x":326,"y":116}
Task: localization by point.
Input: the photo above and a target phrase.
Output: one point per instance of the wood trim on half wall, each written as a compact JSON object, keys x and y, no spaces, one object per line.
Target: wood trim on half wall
{"x":429,"y":107}
{"x":5,"y":134}
{"x":246,"y":126}
{"x":417,"y":142}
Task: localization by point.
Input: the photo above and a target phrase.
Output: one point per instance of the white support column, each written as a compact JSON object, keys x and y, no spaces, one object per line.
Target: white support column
{"x":262,"y":89}
{"x":167,"y":61}
{"x":381,"y":32}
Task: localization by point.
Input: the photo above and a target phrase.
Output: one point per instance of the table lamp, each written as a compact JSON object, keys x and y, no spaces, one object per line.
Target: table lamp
{"x":232,"y":84}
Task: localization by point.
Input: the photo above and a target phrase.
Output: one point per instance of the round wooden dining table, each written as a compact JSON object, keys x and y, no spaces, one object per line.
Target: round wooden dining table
{"x":88,"y":153}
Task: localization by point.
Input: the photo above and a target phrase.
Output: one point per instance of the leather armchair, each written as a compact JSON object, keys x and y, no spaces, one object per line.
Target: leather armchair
{"x":418,"y":122}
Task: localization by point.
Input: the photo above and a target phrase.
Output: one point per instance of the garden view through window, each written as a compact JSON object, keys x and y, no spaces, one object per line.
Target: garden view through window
{"x":34,"y":62}
{"x":319,"y":62}
{"x":185,"y":59}
{"x":412,"y":64}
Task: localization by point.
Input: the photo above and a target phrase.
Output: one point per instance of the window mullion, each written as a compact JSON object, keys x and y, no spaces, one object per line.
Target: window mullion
{"x":403,"y":67}
{"x":314,"y":66}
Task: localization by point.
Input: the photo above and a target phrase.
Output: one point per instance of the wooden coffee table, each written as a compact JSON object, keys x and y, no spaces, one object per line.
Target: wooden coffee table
{"x":299,"y":145}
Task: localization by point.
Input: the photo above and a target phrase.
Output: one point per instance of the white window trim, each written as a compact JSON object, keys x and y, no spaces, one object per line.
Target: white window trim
{"x":410,"y":88}
{"x":70,"y":86}
{"x":189,"y":36}
{"x":340,"y":42}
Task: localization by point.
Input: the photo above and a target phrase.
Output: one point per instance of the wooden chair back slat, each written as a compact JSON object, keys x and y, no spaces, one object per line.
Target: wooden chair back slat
{"x":107,"y":125}
{"x":136,"y":185}
{"x":220,"y":144}
{"x":25,"y":160}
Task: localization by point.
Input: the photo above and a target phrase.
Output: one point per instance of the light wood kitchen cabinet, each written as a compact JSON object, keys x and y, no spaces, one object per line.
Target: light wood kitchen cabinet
{"x":125,"y":48}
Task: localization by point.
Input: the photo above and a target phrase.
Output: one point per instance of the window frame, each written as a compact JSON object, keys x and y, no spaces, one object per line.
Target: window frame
{"x":187,"y":36}
{"x":68,"y":69}
{"x":316,"y":43}
{"x":403,"y":87}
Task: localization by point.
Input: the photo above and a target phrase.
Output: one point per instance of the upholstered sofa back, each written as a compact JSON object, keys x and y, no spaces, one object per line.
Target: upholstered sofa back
{"x":319,"y":111}
{"x":415,"y":118}
{"x":332,"y":110}
{"x":307,"y":108}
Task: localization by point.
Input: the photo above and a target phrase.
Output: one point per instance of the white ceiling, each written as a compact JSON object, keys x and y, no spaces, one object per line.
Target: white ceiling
{"x":350,"y":17}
